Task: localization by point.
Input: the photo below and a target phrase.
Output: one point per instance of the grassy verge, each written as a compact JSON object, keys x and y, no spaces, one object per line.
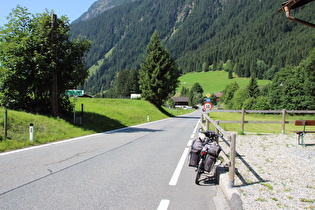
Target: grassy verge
{"x":99,"y":115}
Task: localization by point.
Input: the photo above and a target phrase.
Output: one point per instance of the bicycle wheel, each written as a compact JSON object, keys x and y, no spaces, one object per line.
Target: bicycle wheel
{"x":199,"y":172}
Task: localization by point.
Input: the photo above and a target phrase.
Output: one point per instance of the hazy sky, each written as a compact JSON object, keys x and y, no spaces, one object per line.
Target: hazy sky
{"x":70,"y":8}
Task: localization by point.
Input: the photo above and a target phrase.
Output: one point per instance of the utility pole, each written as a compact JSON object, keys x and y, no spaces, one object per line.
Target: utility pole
{"x":54,"y":85}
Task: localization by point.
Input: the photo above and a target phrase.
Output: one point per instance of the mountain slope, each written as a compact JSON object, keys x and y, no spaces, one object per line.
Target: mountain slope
{"x":197,"y":33}
{"x":99,"y":7}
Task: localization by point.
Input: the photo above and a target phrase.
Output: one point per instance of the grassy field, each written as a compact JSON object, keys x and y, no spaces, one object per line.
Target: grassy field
{"x":99,"y":115}
{"x":213,"y":81}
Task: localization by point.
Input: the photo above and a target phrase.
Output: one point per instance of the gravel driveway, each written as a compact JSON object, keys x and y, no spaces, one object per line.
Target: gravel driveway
{"x":273,"y":172}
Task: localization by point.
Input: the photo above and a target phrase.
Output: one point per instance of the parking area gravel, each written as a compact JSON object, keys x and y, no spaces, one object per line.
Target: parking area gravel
{"x":274,"y":172}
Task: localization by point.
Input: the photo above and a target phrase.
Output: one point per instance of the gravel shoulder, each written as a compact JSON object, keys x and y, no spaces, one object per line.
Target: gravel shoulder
{"x":273,"y":172}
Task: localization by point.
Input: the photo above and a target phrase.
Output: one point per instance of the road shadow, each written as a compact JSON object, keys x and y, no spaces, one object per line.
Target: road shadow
{"x":187,"y":117}
{"x":135,"y":130}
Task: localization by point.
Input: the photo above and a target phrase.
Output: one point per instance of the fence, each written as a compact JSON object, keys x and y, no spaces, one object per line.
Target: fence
{"x":230,"y":138}
{"x":283,"y":112}
{"x":226,"y":137}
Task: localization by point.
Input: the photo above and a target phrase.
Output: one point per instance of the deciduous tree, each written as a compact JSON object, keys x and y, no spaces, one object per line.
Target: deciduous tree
{"x":32,"y":51}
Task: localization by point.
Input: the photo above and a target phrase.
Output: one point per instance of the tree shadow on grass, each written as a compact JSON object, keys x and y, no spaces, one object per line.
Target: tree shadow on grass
{"x":164,"y":111}
{"x":100,"y":123}
{"x":96,"y":122}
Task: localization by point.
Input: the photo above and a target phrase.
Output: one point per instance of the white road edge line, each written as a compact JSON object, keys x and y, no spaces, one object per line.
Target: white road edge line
{"x":163,"y":204}
{"x":195,"y":130}
{"x":179,"y":167}
{"x":189,"y":143}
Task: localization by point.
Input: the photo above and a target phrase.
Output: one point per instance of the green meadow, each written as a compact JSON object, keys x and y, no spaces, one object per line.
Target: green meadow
{"x":213,"y":81}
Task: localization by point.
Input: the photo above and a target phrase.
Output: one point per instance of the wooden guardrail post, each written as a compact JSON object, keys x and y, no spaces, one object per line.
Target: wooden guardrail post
{"x":5,"y":124}
{"x":243,"y":120}
{"x":207,"y":124}
{"x":283,"y":120}
{"x":217,"y":131}
{"x":232,"y":159}
{"x":201,"y":118}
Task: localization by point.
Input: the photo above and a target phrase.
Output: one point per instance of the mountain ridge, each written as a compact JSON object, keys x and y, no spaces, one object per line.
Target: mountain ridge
{"x":198,"y":33}
{"x":99,"y":7}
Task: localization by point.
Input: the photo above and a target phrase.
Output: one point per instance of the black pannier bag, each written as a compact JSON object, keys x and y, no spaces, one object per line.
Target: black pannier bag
{"x":212,"y":149}
{"x":197,"y":144}
{"x":195,"y":152}
{"x":193,"y":158}
{"x":209,"y":162}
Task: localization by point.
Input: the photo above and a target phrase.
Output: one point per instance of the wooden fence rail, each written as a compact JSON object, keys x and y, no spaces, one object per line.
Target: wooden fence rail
{"x":283,"y":112}
{"x":226,"y":137}
{"x":230,"y":138}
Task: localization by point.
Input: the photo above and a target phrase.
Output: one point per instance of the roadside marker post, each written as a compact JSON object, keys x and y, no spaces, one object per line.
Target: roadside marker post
{"x":31,"y":132}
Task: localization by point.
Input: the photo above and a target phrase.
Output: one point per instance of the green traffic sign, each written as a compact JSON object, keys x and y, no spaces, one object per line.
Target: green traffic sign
{"x":74,"y":93}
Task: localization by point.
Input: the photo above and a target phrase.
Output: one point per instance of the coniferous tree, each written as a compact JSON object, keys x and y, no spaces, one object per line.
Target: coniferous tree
{"x":134,"y":81}
{"x":158,"y":74}
{"x":184,"y":92}
{"x":122,"y":86}
{"x":196,"y":88}
{"x":253,"y":88}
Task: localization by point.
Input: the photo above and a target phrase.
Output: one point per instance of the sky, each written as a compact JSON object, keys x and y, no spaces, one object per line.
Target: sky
{"x":73,"y":9}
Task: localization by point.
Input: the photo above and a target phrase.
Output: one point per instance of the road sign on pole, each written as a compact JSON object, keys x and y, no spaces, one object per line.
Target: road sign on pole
{"x":74,"y":94}
{"x":207,"y":106}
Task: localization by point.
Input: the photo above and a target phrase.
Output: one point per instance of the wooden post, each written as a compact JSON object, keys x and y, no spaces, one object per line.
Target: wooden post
{"x":207,"y":124}
{"x":82,"y":113}
{"x":243,"y":119}
{"x":5,"y":124}
{"x":232,"y":159}
{"x":217,"y":131}
{"x":201,"y":118}
{"x":283,"y":120}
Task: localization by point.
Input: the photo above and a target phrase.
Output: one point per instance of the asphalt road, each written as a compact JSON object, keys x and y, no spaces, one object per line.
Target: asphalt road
{"x":140,"y":167}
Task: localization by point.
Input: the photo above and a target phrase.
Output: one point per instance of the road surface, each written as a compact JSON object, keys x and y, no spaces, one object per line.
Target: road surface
{"x":139,"y":167}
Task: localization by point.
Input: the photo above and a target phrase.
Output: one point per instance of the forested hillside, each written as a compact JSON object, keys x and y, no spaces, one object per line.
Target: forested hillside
{"x":200,"y":35}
